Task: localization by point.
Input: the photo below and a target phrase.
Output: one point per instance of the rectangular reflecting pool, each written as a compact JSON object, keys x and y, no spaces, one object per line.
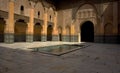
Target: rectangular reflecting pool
{"x":57,"y":50}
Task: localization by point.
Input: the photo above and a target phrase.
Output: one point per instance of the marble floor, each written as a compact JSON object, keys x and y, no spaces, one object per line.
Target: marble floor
{"x":96,"y":58}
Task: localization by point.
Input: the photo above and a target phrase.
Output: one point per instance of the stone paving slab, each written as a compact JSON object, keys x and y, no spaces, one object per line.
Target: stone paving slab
{"x":96,"y":58}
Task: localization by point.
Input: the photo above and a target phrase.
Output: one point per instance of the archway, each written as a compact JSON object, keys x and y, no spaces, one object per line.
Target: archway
{"x":49,"y":32}
{"x":2,"y":27}
{"x":60,"y":33}
{"x":108,"y":31}
{"x":68,"y":33}
{"x":37,"y":32}
{"x":87,"y":32}
{"x":20,"y":31}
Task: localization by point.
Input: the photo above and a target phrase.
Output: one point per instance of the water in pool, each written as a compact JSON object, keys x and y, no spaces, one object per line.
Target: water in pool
{"x":57,"y":49}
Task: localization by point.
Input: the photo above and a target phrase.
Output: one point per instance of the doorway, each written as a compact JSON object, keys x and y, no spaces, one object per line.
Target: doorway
{"x":87,"y":32}
{"x":37,"y":32}
{"x":20,"y":31}
{"x":49,"y":32}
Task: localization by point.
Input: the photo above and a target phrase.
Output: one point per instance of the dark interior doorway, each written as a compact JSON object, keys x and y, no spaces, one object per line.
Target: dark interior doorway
{"x":2,"y":27}
{"x":87,"y":32}
{"x":60,"y":33}
{"x":49,"y":32}
{"x":60,"y":37}
{"x":20,"y":31}
{"x":37,"y":32}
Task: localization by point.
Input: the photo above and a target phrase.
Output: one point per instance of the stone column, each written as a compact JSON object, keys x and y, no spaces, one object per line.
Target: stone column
{"x":31,"y":24}
{"x":72,"y":32}
{"x":55,"y":31}
{"x":44,"y":31}
{"x":73,"y":35}
{"x":64,"y":34}
{"x":79,"y":37}
{"x":9,"y":29}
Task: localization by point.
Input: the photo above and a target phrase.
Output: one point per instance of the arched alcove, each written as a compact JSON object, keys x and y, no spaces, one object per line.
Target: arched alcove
{"x":20,"y":31}
{"x":37,"y":32}
{"x":49,"y":32}
{"x":68,"y":32}
{"x":87,"y":32}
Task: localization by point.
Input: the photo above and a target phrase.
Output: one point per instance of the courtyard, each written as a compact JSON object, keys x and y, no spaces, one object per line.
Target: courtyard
{"x":95,"y":58}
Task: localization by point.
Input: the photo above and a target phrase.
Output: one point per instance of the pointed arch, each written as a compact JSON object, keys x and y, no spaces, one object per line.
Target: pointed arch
{"x":37,"y":32}
{"x":87,"y":31}
{"x":20,"y":35}
{"x":49,"y":32}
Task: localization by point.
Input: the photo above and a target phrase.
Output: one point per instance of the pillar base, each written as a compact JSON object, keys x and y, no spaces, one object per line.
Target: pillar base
{"x":9,"y":38}
{"x":29,"y":38}
{"x":43,"y":38}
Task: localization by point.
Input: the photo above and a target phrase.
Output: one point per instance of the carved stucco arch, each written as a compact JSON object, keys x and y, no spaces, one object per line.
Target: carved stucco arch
{"x":84,"y":3}
{"x":80,"y":22}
